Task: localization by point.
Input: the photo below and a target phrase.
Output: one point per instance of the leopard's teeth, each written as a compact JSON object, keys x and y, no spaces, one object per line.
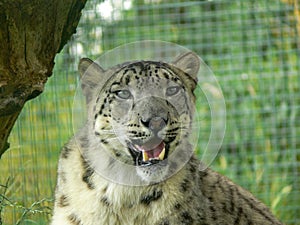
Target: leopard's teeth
{"x":145,"y":156}
{"x":162,"y":154}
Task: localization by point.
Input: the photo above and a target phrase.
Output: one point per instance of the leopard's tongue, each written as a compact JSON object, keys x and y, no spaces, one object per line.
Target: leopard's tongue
{"x":156,"y":152}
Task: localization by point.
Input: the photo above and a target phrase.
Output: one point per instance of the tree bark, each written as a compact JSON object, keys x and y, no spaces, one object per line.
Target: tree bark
{"x":32,"y":32}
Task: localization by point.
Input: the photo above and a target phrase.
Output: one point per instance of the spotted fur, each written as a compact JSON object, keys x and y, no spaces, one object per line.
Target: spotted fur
{"x":103,"y":178}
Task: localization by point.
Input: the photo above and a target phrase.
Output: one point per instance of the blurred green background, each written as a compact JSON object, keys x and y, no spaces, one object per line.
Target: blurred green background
{"x":253,"y":48}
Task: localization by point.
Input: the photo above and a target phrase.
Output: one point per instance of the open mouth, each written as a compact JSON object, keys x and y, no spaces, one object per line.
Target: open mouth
{"x":149,"y":153}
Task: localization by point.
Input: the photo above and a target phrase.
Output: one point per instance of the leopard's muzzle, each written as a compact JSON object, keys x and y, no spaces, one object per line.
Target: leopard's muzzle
{"x":156,"y":149}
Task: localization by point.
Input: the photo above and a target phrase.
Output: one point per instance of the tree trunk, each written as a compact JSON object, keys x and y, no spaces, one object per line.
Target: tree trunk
{"x":31,"y":33}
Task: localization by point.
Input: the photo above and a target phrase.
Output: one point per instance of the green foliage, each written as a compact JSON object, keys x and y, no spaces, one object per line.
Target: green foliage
{"x":38,"y":209}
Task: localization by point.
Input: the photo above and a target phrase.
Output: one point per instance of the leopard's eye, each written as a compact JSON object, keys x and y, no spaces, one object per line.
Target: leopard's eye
{"x":172,"y":90}
{"x":123,"y":94}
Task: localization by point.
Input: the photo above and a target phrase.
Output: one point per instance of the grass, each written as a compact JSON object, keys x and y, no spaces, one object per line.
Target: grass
{"x":37,"y":212}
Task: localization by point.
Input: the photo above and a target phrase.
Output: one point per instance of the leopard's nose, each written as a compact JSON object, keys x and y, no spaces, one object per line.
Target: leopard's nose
{"x":155,"y":124}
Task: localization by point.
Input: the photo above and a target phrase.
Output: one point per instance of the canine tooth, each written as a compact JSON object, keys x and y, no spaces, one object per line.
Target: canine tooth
{"x":162,"y":154}
{"x":145,"y":156}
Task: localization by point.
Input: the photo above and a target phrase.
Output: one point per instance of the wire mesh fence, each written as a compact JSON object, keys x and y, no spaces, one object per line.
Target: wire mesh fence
{"x":252,"y":47}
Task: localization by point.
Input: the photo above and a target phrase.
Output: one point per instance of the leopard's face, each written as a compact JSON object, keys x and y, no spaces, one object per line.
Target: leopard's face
{"x":143,"y":113}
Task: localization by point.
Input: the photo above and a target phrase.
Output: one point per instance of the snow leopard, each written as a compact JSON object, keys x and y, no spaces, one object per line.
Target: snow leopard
{"x":133,"y":163}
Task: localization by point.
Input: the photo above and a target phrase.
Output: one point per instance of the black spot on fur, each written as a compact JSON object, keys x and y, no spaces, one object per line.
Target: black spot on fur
{"x":155,"y":195}
{"x":192,"y":168}
{"x":127,"y":80}
{"x":105,"y":201}
{"x":166,"y":75}
{"x":248,"y":220}
{"x":87,"y":174}
{"x":186,"y":218}
{"x":101,"y":109}
{"x":185,"y":185}
{"x":201,"y":216}
{"x":74,"y":219}
{"x":63,"y":201}
{"x":177,"y":206}
{"x":65,"y":152}
{"x":203,"y":174}
{"x":239,"y":215}
{"x":175,"y":79}
{"x":104,"y":189}
{"x":104,"y":141}
{"x":213,"y":213}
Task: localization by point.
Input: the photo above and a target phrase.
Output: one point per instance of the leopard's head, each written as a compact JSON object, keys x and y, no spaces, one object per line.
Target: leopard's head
{"x":142,"y":111}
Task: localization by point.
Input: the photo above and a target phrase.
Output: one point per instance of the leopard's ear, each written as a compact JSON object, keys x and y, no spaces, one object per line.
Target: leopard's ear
{"x":189,"y":63}
{"x":91,"y":75}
